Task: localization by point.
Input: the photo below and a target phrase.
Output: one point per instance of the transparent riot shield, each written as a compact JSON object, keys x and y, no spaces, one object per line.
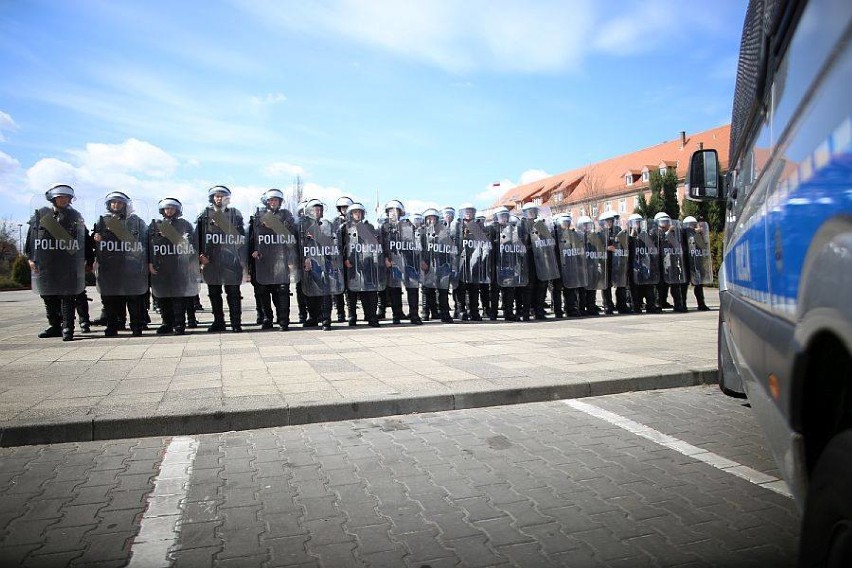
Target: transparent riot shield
{"x":596,"y":269}
{"x":275,"y":251}
{"x":646,"y":255}
{"x":322,"y":272}
{"x":403,"y":245}
{"x":620,"y":257}
{"x":121,"y":251}
{"x":543,"y":244}
{"x":475,"y":253}
{"x":572,"y":257}
{"x":365,"y":259}
{"x":698,"y":253}
{"x":440,"y":257}
{"x":173,"y":257}
{"x":223,"y":241}
{"x":58,"y":248}
{"x":671,"y":250}
{"x":511,"y":257}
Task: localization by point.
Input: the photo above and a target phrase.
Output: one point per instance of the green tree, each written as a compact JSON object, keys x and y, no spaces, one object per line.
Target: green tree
{"x":649,"y":208}
{"x":665,"y":187}
{"x":21,"y":271}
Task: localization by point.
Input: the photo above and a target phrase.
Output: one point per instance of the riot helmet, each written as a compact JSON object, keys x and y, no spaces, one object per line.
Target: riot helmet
{"x":585,"y":223}
{"x":355,"y":212}
{"x":272,"y":194}
{"x":170,"y":202}
{"x":300,"y":209}
{"x":563,"y":221}
{"x":417,"y":220}
{"x":634,"y":222}
{"x":530,"y":210}
{"x":501,"y":216}
{"x":448,"y":212}
{"x":342,"y":204}
{"x":394,"y":210}
{"x":216,"y":191}
{"x":431,"y":212}
{"x":690,"y":222}
{"x":58,"y":191}
{"x":117,"y":197}
{"x":467,"y":211}
{"x":514,"y":220}
{"x":311,"y":209}
{"x":663,"y":220}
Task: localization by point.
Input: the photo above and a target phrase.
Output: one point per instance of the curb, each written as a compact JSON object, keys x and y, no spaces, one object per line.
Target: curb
{"x":205,"y":422}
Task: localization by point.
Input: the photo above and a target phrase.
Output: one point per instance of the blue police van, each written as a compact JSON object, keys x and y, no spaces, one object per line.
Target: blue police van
{"x":785,"y":322}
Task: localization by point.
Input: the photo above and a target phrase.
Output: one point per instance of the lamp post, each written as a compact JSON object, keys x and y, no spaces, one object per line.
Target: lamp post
{"x":20,"y":239}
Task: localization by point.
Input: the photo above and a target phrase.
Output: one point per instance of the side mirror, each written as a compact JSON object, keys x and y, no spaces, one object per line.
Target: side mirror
{"x":704,"y":180}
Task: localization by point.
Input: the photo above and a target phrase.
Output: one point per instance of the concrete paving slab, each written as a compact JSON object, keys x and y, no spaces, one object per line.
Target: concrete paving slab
{"x":97,"y":388}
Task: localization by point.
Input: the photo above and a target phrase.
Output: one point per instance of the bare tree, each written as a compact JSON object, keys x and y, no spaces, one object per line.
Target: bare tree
{"x":295,"y":195}
{"x":593,"y":184}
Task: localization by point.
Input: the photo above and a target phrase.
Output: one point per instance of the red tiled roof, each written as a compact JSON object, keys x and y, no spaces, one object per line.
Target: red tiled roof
{"x":606,"y":178}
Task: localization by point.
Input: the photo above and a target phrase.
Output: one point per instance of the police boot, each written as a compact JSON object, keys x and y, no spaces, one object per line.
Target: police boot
{"x":68,"y":312}
{"x":352,"y":309}
{"x":191,"y":320}
{"x":235,"y":313}
{"x":53,"y":311}
{"x":218,"y":309}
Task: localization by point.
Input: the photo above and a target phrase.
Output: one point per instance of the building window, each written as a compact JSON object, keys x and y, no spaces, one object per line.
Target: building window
{"x":608,"y":206}
{"x":635,"y":201}
{"x":594,"y":210}
{"x":622,"y":205}
{"x":628,"y":179}
{"x":557,"y":197}
{"x":662,"y":171}
{"x":645,"y":176}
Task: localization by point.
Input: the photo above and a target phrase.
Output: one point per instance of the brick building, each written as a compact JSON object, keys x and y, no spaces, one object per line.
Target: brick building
{"x":616,"y":183}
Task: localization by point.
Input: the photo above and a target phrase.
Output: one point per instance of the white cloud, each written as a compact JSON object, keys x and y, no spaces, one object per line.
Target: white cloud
{"x":419,"y":205}
{"x":458,"y":36}
{"x":530,"y":176}
{"x":279,"y":169}
{"x":644,"y":27}
{"x":131,"y":155}
{"x":7,"y":124}
{"x":268,"y":99}
{"x":494,"y":190}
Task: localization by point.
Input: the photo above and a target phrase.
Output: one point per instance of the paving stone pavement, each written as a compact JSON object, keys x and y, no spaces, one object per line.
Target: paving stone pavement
{"x":100,"y":388}
{"x":536,"y":484}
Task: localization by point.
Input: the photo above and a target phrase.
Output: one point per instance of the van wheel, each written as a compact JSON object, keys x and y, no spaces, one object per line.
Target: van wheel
{"x":827,"y":522}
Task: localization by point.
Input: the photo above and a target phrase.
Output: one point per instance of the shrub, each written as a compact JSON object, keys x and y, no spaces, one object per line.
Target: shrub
{"x":21,"y":271}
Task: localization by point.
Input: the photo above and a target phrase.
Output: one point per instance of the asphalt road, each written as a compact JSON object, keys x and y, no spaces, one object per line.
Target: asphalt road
{"x":674,"y":477}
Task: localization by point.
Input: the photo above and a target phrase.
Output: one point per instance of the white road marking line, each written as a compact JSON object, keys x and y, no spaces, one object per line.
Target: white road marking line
{"x":160,"y":524}
{"x":685,"y":448}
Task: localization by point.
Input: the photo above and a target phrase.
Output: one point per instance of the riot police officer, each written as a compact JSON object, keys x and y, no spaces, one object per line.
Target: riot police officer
{"x":474,"y":261}
{"x":644,"y":264}
{"x":364,"y":264}
{"x":121,"y":249}
{"x":697,"y":245}
{"x":59,"y":250}
{"x":616,"y":258}
{"x":273,"y":247}
{"x":510,"y":263}
{"x":672,"y":262}
{"x":543,"y":267}
{"x":173,"y":265}
{"x":341,"y":205}
{"x":322,"y":276}
{"x":569,"y":290}
{"x":402,"y":249}
{"x":223,"y":254}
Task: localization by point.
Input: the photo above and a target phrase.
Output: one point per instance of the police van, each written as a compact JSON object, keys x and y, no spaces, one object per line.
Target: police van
{"x":785,"y":322}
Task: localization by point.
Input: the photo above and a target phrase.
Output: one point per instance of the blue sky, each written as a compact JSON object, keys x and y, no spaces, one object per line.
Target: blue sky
{"x":429,"y":102}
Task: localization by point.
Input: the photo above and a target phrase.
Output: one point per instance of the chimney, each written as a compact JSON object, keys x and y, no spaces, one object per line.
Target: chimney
{"x":701,"y":145}
{"x":682,"y":139}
